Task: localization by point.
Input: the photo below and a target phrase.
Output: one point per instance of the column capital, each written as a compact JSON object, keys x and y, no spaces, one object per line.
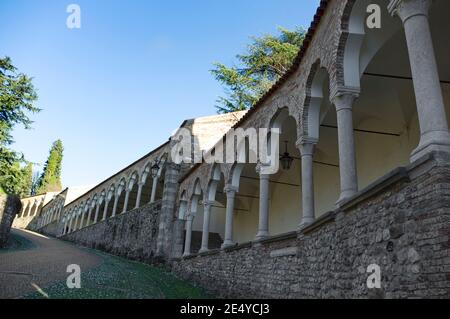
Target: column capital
{"x":344,"y":99}
{"x":306,"y":140}
{"x":406,"y":9}
{"x":262,"y":169}
{"x":208,"y":203}
{"x":230,"y":189}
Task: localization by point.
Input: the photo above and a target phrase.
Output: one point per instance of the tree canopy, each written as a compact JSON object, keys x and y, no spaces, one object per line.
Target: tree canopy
{"x":50,"y":180}
{"x":17,"y":97}
{"x":267,"y":58}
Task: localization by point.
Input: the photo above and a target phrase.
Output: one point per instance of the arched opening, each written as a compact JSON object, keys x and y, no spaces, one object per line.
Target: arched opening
{"x":215,"y":196}
{"x":321,"y":128}
{"x":101,"y":204}
{"x":146,"y":180}
{"x":385,"y":117}
{"x":195,"y":213}
{"x":133,"y":191}
{"x":121,"y":194}
{"x":110,"y":202}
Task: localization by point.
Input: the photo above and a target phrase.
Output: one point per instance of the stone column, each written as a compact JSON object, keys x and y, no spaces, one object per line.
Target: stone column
{"x":154,"y":186}
{"x":36,"y":209}
{"x":89,"y":215}
{"x":307,"y":147}
{"x":231,"y":194}
{"x":343,"y":101}
{"x":70,"y":225}
{"x":139,"y":194}
{"x":65,"y":228}
{"x":82,"y":219}
{"x":187,"y":242}
{"x":97,"y":210}
{"x":264,"y":185}
{"x":207,"y":205}
{"x":164,"y":243}
{"x":105,"y":211}
{"x":127,"y":198}
{"x":434,"y":134}
{"x":116,"y":201}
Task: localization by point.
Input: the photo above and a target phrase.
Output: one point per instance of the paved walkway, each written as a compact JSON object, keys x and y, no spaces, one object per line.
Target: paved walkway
{"x":25,"y":271}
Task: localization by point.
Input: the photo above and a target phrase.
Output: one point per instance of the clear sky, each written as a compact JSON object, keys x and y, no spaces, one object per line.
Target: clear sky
{"x":118,"y":87}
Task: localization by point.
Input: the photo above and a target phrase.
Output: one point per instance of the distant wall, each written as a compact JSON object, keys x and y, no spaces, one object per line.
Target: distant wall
{"x":10,"y":206}
{"x":132,"y":234}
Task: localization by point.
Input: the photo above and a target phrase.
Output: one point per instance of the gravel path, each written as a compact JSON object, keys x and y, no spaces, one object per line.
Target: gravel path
{"x":25,"y":271}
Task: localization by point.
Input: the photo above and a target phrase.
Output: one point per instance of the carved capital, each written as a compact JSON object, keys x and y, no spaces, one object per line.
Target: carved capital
{"x":406,"y":9}
{"x":230,"y":190}
{"x":344,"y":99}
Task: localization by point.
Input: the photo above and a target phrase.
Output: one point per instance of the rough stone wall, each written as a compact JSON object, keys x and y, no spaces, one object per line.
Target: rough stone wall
{"x":10,"y":206}
{"x":132,"y":235}
{"x":52,"y":230}
{"x":401,"y":223}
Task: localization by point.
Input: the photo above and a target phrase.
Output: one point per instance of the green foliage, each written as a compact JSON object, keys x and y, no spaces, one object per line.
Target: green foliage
{"x":50,"y":180}
{"x":17,"y":95}
{"x":14,"y":178}
{"x":266,"y":60}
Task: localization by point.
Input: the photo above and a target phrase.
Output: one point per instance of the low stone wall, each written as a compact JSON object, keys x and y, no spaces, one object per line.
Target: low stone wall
{"x":23,"y":222}
{"x":132,"y":235}
{"x":400,"y":223}
{"x":52,"y":230}
{"x":10,"y":206}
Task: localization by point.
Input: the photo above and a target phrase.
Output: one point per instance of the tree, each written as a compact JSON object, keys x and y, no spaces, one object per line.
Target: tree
{"x":50,"y":180}
{"x":17,"y":97}
{"x":266,"y":60}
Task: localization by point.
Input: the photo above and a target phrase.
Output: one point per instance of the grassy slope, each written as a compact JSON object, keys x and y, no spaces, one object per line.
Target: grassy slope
{"x":119,"y":278}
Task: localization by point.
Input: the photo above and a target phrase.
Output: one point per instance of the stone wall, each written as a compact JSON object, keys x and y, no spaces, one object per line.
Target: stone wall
{"x":10,"y":206}
{"x":132,"y":234}
{"x":401,"y":223}
{"x":52,"y":230}
{"x":23,"y":222}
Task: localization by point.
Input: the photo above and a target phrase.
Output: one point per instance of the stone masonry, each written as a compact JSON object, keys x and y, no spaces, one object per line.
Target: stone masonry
{"x":400,"y":223}
{"x":131,"y":235}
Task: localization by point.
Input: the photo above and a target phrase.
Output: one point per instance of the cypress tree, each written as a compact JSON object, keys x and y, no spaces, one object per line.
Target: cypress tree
{"x":50,"y":180}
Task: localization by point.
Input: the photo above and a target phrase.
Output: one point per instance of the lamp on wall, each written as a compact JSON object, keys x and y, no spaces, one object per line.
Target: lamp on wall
{"x":286,"y":160}
{"x":155,"y":169}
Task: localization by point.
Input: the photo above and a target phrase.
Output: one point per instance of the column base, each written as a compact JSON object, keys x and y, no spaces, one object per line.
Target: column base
{"x":187,"y":254}
{"x":344,"y":196}
{"x":437,"y":141}
{"x":305,"y":223}
{"x":227,"y":244}
{"x":203,"y":250}
{"x":262,"y":235}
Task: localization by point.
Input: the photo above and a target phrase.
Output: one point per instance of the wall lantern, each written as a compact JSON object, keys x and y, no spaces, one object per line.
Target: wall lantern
{"x":155,"y":170}
{"x":286,"y":160}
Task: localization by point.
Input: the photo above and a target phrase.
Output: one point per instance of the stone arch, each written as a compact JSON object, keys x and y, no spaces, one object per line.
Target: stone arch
{"x":358,"y":44}
{"x":315,"y":95}
{"x":214,"y":180}
{"x":235,"y":175}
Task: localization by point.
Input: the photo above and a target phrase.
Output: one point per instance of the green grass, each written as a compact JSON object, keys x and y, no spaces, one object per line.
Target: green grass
{"x":17,"y":243}
{"x":119,"y":278}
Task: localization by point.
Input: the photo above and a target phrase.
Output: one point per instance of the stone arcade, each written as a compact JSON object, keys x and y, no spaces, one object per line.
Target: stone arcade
{"x":364,"y":113}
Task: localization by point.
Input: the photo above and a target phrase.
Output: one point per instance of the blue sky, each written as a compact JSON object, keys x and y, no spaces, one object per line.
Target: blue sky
{"x":118,"y":87}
